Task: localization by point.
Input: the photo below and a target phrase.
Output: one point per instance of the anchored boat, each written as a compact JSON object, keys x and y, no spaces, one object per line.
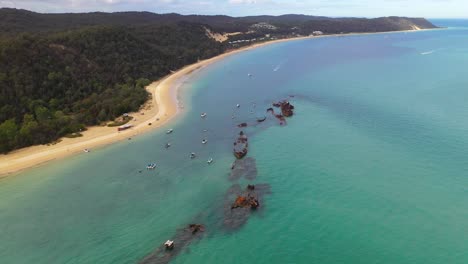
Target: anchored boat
{"x":151,"y":166}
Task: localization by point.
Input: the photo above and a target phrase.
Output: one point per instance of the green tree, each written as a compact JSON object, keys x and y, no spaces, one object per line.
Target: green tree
{"x":8,"y":130}
{"x":28,"y":129}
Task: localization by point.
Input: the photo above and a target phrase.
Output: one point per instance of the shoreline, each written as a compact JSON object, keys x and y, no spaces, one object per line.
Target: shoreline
{"x":159,"y":110}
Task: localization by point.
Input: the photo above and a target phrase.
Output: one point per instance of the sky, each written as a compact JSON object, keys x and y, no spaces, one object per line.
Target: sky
{"x":334,"y":8}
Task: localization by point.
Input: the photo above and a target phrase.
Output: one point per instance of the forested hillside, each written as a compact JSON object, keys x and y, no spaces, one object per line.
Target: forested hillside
{"x":55,"y":84}
{"x":62,"y":72}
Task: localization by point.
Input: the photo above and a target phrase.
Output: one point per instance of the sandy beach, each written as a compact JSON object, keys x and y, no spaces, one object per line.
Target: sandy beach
{"x":159,"y":110}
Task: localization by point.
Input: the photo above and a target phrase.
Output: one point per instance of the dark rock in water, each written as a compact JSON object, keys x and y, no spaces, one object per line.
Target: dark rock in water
{"x":242,"y":125}
{"x":182,"y":239}
{"x":259,"y":120}
{"x":270,"y":110}
{"x":244,"y":168}
{"x":234,"y":218}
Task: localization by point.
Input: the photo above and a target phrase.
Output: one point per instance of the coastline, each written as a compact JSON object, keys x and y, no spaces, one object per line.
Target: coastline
{"x":159,"y":110}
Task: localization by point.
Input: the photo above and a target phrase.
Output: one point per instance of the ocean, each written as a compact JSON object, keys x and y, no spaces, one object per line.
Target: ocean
{"x":371,"y":168}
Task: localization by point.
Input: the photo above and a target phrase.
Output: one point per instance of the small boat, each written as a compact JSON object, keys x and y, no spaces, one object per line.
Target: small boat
{"x":151,"y":166}
{"x":168,"y":145}
{"x":205,"y":130}
{"x":169,"y":244}
{"x":169,"y":131}
{"x":238,"y":105}
{"x":204,"y":141}
{"x":192,"y":155}
{"x":203,"y":115}
{"x":209,"y":161}
{"x":249,"y":74}
{"x":87,"y":150}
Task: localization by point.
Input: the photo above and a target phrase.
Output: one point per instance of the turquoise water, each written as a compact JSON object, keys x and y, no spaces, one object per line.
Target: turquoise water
{"x":371,"y":169}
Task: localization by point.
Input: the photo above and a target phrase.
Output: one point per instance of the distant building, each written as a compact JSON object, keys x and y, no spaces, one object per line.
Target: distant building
{"x":317,"y":33}
{"x":263,"y":25}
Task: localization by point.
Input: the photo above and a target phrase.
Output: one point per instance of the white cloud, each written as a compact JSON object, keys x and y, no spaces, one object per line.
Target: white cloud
{"x":364,"y":8}
{"x":238,"y":2}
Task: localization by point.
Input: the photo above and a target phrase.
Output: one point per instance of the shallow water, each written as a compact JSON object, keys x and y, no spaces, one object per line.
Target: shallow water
{"x":371,"y":169}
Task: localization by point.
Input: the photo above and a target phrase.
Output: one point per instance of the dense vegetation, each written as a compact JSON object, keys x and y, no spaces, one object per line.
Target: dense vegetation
{"x":52,"y":85}
{"x":62,"y":72}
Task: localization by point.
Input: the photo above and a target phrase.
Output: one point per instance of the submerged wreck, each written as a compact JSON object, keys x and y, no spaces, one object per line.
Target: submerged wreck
{"x":241,"y":146}
{"x":195,"y":228}
{"x":243,"y":168}
{"x":240,"y":203}
{"x":286,"y":107}
{"x":245,"y":202}
{"x":172,"y":247}
{"x":286,"y":110}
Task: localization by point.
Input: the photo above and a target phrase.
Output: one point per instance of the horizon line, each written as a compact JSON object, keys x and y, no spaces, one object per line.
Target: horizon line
{"x":194,"y":14}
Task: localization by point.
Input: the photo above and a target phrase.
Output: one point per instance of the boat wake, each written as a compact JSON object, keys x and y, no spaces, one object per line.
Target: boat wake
{"x":427,"y":52}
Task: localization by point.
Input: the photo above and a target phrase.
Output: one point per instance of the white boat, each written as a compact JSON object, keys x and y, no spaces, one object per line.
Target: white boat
{"x":87,"y":150}
{"x":204,"y":141}
{"x":169,"y":131}
{"x":238,"y":105}
{"x":203,"y":115}
{"x":151,"y":166}
{"x":192,"y":155}
{"x":168,"y":145}
{"x":209,"y":161}
{"x":250,"y":75}
{"x":169,"y":244}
